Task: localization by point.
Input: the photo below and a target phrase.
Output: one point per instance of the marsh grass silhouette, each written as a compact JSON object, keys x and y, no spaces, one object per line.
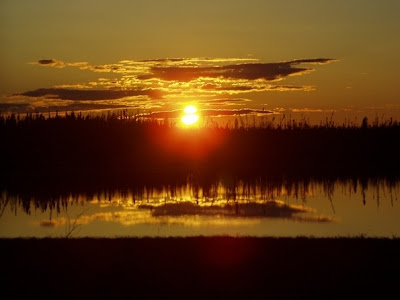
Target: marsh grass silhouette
{"x":118,"y":150}
{"x":232,"y":191}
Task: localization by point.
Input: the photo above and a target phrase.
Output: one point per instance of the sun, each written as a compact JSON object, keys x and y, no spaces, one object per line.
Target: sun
{"x":190,"y":109}
{"x":190,"y":117}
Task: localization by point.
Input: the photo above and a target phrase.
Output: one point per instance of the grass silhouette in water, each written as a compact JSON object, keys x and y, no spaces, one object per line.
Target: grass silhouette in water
{"x":57,"y":198}
{"x":117,"y":149}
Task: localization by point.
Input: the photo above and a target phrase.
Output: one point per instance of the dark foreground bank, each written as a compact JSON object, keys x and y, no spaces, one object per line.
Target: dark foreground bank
{"x":200,"y":267}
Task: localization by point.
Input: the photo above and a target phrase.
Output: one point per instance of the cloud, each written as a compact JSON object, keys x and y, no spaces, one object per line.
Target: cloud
{"x":237,"y":89}
{"x":270,"y":209}
{"x":84,"y":106}
{"x":173,"y":114}
{"x":309,"y":110}
{"x":225,"y":101}
{"x":13,"y":107}
{"x":285,"y":88}
{"x":199,"y":60}
{"x":216,"y":82}
{"x":50,"y":63}
{"x":164,"y":60}
{"x":75,"y":106}
{"x":315,"y":61}
{"x":90,"y":95}
{"x":234,"y":112}
{"x":47,"y":61}
{"x":188,"y":213}
{"x":143,"y":216}
{"x":248,"y":71}
{"x":187,"y":69}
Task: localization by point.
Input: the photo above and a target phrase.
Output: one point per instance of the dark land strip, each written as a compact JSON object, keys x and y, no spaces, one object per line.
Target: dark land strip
{"x":201,"y":267}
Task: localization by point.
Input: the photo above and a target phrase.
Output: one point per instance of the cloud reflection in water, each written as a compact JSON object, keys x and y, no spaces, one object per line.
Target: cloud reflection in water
{"x":189,"y":213}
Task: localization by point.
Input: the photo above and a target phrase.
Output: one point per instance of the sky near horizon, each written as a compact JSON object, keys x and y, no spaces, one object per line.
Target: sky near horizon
{"x":309,"y":55}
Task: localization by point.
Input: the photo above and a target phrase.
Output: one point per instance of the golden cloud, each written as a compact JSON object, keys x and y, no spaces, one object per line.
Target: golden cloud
{"x":168,"y":80}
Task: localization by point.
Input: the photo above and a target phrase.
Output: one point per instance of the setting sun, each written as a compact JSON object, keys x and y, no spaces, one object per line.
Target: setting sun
{"x":190,"y":116}
{"x":190,"y":109}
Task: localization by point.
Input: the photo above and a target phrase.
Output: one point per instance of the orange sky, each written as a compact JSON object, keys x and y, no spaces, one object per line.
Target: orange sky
{"x":307,"y":57}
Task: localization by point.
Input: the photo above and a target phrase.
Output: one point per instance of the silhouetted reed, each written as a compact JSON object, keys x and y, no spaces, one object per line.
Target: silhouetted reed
{"x":56,"y":198}
{"x":118,"y":150}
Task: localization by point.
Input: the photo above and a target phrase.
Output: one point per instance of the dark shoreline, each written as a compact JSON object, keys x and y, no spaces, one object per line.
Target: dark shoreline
{"x":199,"y":267}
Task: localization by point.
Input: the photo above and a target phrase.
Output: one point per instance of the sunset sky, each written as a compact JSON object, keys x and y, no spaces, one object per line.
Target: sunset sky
{"x":229,"y":57}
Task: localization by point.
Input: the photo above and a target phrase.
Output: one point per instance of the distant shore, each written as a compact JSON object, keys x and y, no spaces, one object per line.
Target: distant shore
{"x":199,"y":267}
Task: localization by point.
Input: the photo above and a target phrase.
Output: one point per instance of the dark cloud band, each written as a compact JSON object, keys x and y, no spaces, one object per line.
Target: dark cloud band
{"x":206,"y":113}
{"x":248,"y":71}
{"x":46,"y":61}
{"x":92,"y":95}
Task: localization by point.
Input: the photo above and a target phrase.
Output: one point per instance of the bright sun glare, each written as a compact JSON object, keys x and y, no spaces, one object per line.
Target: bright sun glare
{"x":190,"y":116}
{"x":190,"y":109}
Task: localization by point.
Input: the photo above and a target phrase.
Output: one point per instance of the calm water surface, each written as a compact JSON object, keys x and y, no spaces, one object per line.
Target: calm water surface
{"x":320,"y":209}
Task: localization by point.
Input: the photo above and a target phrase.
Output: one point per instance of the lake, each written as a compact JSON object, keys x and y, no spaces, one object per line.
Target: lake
{"x":318,"y":208}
